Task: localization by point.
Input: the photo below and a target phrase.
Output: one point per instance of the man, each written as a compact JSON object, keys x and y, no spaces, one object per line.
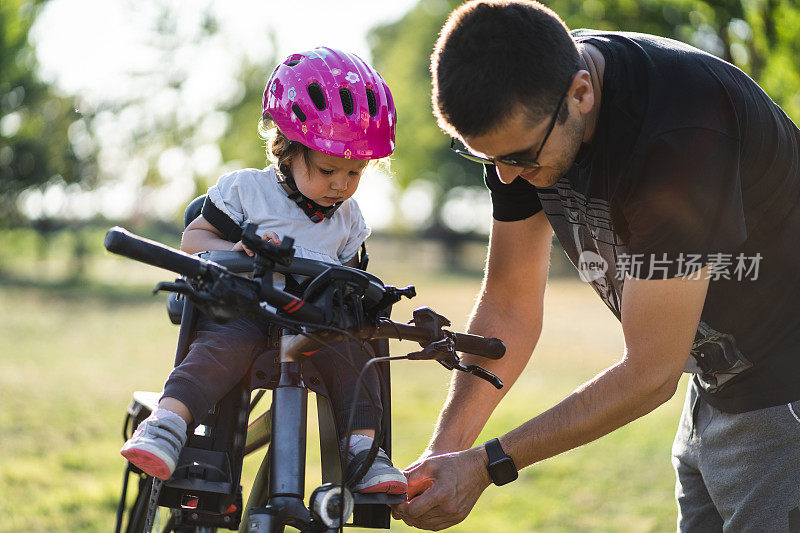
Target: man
{"x":672,"y":182}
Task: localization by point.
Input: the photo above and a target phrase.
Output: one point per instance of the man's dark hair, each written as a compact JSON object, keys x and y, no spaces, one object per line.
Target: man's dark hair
{"x":493,"y":55}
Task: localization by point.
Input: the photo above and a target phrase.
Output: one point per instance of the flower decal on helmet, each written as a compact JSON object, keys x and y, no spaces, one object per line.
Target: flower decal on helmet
{"x":292,"y":94}
{"x":304,"y":129}
{"x":347,"y":153}
{"x":352,"y":77}
{"x":335,"y":71}
{"x":277,"y":89}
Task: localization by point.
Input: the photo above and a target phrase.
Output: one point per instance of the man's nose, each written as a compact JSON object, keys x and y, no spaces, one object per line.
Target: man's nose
{"x":506,"y":173}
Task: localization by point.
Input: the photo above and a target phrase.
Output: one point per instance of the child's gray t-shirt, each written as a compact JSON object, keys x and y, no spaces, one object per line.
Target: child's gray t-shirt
{"x":251,"y":195}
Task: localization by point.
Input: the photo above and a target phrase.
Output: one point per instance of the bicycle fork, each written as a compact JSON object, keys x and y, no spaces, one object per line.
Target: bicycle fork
{"x":287,"y":457}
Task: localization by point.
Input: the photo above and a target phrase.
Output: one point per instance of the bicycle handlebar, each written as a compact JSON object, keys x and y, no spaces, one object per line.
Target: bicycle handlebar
{"x":120,"y":241}
{"x":488,"y":347}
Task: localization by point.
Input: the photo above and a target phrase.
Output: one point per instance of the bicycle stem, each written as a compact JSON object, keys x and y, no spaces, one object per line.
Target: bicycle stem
{"x":292,"y":348}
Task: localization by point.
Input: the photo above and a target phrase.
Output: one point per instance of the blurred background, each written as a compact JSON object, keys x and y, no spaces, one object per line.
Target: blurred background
{"x":121,"y":112}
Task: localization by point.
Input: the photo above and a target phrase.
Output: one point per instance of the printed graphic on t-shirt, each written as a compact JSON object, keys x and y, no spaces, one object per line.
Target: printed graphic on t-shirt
{"x":585,"y":230}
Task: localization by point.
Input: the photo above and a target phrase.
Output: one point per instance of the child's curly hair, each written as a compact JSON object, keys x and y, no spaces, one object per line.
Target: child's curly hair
{"x":280,"y":149}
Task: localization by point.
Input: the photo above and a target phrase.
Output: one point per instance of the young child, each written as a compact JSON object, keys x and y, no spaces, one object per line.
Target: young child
{"x":332,"y":114}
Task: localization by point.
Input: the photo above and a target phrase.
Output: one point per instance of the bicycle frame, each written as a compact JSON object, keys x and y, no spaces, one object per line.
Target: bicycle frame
{"x":283,"y":492}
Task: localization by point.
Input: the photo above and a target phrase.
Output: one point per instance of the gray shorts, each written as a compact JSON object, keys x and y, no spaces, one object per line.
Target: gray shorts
{"x":737,"y":472}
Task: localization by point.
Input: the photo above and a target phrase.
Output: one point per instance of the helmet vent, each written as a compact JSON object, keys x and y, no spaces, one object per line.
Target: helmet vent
{"x":299,"y":112}
{"x":372,"y":103}
{"x":347,"y":101}
{"x":292,"y":62}
{"x":317,"y":96}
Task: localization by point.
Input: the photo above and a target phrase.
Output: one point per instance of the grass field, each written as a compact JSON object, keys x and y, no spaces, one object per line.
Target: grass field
{"x":71,"y":355}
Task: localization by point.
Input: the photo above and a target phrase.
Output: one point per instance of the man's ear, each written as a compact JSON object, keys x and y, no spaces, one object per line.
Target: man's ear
{"x":581,"y":92}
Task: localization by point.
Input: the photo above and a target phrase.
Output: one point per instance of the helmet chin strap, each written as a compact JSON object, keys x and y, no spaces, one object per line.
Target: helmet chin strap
{"x":317,"y":213}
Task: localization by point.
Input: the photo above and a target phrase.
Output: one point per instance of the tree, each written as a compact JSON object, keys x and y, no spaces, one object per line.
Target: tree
{"x":181,"y":115}
{"x":35,"y":122}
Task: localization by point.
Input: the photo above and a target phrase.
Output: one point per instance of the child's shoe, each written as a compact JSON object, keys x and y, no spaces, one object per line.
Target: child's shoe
{"x":382,"y":476}
{"x":156,"y":444}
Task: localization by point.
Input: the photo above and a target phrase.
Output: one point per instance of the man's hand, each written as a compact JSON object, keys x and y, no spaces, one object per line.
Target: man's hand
{"x":443,"y":489}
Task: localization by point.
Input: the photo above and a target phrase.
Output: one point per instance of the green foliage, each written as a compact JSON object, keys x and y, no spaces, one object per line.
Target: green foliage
{"x":151,"y":133}
{"x":157,"y":134}
{"x":773,"y":49}
{"x":35,"y":122}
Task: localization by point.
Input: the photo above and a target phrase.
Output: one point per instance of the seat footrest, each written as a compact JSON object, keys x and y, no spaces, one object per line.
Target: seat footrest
{"x":378,"y":498}
{"x":143,"y":403}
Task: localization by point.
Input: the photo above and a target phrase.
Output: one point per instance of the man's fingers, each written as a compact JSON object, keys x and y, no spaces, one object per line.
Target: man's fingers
{"x":431,"y":522}
{"x":435,"y":519}
{"x":428,"y":511}
{"x":418,"y":485}
{"x":423,"y":502}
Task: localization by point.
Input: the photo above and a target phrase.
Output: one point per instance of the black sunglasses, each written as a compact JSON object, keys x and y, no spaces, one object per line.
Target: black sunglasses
{"x":521,"y":162}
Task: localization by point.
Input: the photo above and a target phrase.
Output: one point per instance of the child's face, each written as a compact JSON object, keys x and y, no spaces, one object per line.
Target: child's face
{"x":327,"y":179}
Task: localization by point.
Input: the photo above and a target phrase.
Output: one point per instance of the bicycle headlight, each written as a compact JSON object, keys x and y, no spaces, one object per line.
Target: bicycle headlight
{"x":329,"y":507}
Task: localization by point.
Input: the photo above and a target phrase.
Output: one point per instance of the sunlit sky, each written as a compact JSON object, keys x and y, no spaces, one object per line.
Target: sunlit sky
{"x":93,"y":48}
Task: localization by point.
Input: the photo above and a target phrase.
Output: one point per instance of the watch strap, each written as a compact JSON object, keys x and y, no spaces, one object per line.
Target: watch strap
{"x":494,"y":450}
{"x":501,"y":467}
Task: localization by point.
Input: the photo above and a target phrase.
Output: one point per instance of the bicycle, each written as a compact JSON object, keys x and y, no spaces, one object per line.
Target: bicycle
{"x":337,"y":303}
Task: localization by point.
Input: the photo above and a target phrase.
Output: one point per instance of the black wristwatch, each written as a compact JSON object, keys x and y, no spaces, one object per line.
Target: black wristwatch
{"x":501,"y":467}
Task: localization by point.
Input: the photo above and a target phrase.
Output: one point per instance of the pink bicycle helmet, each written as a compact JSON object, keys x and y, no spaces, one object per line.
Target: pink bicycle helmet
{"x":332,"y":102}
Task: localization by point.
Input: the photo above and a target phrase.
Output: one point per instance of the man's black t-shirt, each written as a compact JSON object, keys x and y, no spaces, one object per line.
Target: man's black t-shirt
{"x":691,"y":164}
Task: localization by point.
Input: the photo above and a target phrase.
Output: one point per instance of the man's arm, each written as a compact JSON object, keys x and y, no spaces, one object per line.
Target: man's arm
{"x":509,"y":307}
{"x":659,"y":321}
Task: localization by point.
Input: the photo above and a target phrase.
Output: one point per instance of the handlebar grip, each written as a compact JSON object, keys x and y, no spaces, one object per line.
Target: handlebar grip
{"x":488,"y":347}
{"x":120,"y":241}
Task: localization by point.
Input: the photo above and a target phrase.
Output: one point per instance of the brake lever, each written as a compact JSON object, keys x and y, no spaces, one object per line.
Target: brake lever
{"x":441,"y":350}
{"x":179,"y":286}
{"x":482,"y":373}
{"x":203,"y":299}
{"x":444,"y":352}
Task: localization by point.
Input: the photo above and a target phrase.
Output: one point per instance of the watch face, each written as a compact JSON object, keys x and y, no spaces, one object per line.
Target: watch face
{"x":503,"y":471}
